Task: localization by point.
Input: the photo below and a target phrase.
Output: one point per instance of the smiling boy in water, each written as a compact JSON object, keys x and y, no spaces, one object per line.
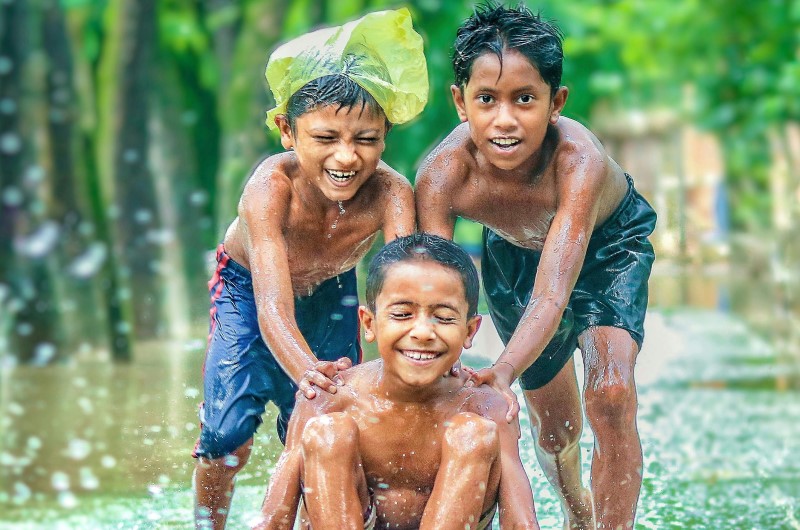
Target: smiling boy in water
{"x":400,"y":445}
{"x":566,"y":257}
{"x":284,"y":300}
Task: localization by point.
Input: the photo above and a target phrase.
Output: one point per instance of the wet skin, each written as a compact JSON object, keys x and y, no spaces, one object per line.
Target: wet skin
{"x":543,"y":182}
{"x":422,"y":443}
{"x":306,"y":216}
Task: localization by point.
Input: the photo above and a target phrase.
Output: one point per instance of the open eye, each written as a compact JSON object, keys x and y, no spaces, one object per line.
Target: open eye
{"x":525,"y":98}
{"x":485,"y":98}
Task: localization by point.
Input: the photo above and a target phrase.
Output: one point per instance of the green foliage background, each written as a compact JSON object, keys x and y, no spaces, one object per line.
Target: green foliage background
{"x":130,"y":119}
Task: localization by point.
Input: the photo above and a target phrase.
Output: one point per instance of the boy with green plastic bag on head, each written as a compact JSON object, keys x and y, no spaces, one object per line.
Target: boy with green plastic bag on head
{"x":283,"y":298}
{"x":566,"y":256}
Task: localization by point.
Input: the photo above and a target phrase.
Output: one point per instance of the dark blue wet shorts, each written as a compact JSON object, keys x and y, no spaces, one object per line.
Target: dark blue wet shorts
{"x":611,"y":289}
{"x":240,"y":373}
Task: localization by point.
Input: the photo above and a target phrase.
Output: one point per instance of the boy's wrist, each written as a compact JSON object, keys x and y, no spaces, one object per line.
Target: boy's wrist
{"x":505,"y":369}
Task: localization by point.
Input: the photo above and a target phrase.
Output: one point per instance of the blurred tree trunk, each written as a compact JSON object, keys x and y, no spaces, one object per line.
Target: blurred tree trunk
{"x":243,"y":102}
{"x":26,"y":237}
{"x":67,"y":190}
{"x":98,"y":267}
{"x":125,"y":85}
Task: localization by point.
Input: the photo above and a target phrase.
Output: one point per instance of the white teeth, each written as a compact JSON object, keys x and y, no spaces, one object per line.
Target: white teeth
{"x":420,"y":356}
{"x":341,"y":175}
{"x":505,"y":141}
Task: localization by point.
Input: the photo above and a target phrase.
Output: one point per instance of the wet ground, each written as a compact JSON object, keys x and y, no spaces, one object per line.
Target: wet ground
{"x":97,"y":446}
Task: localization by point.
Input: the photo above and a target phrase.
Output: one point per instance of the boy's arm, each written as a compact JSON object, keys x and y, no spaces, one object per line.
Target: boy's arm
{"x":264,"y":207}
{"x":398,"y":210}
{"x":515,"y":498}
{"x":279,"y":508}
{"x":434,"y":193}
{"x":563,"y":254}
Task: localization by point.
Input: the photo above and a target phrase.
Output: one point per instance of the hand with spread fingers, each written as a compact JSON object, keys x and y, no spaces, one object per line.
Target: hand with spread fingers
{"x":324,"y":375}
{"x":499,"y":376}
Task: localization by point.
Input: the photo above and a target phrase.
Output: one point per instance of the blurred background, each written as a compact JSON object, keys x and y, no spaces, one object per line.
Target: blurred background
{"x":128,"y":128}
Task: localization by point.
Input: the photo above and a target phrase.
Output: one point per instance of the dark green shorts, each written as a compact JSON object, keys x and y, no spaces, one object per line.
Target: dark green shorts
{"x":611,"y":289}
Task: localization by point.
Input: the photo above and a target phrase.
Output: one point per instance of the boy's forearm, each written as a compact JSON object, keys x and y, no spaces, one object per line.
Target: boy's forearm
{"x":534,"y":332}
{"x":287,"y":344}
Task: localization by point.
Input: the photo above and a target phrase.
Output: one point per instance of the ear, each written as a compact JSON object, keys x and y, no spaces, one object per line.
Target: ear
{"x":367,"y":323}
{"x":458,"y":99}
{"x":559,"y":100}
{"x":287,"y":137}
{"x":472,"y":328}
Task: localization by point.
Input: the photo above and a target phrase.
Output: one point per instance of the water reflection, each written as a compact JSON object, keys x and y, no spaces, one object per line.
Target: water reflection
{"x":92,"y":445}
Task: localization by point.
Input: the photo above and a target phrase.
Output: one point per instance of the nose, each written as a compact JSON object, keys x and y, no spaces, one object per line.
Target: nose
{"x":422,"y":330}
{"x":345,"y":154}
{"x":505,"y":119}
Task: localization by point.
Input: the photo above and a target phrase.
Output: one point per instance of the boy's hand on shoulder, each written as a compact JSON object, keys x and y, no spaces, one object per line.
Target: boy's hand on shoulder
{"x":324,"y":375}
{"x":501,"y":382}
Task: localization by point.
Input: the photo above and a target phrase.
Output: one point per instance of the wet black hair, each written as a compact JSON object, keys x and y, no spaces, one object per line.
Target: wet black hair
{"x":493,"y":28}
{"x":423,"y":247}
{"x":338,"y":90}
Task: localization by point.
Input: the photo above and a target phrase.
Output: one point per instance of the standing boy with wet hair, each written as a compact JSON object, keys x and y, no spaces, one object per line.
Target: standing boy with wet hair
{"x":566,"y":256}
{"x":401,"y":446}
{"x":284,"y":301}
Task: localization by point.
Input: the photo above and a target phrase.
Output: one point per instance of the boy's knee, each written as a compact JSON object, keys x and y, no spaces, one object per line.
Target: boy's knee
{"x":330,"y":434}
{"x":611,"y":402}
{"x":472,"y":434}
{"x":559,"y":440}
{"x":233,"y":446}
{"x":229,"y":464}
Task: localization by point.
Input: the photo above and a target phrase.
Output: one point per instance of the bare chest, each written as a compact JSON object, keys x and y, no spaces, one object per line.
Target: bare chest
{"x":520,"y":214}
{"x":320,"y":247}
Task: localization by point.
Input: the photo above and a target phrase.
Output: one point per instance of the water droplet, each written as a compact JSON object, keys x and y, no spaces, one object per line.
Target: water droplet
{"x":108,"y":461}
{"x":10,"y":143}
{"x":6,"y":64}
{"x":143,"y":216}
{"x":12,"y":196}
{"x":231,"y":460}
{"x":60,"y":481}
{"x":89,"y":263}
{"x":41,"y":242}
{"x":191,"y":392}
{"x":22,"y":493}
{"x":88,"y":479}
{"x":349,"y":301}
{"x":130,"y":156}
{"x":8,"y":106}
{"x":43,"y":353}
{"x":336,"y":316}
{"x":78,"y":449}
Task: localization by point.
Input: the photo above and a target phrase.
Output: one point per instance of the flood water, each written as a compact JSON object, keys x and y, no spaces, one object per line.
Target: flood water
{"x":93,"y":446}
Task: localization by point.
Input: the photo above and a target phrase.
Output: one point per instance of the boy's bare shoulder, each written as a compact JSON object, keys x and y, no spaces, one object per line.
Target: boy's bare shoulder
{"x":273,"y":175}
{"x":485,"y":401}
{"x":349,"y":393}
{"x":450,"y":163}
{"x":578,"y":145}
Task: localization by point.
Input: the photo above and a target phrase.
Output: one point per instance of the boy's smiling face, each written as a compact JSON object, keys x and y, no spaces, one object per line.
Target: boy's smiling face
{"x":509,"y":109}
{"x":420,"y":322}
{"x":338,"y":149}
